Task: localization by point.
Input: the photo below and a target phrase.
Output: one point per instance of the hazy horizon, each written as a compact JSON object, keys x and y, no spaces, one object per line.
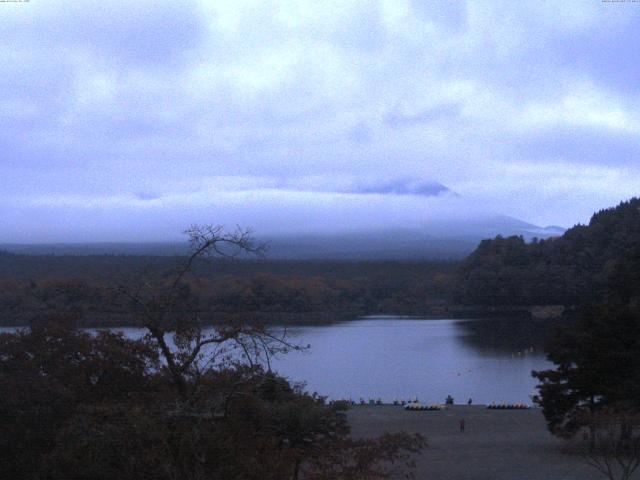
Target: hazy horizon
{"x":130,"y":121}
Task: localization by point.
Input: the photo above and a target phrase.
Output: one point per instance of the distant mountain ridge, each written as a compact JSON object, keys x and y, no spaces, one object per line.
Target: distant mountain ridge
{"x":443,"y":240}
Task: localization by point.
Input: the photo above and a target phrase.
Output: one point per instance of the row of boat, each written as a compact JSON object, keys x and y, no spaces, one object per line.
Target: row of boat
{"x":414,"y":404}
{"x":508,"y":406}
{"x":418,"y":406}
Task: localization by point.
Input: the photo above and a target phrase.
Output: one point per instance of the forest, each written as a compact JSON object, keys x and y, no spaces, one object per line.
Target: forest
{"x":576,"y":268}
{"x":267,"y":290}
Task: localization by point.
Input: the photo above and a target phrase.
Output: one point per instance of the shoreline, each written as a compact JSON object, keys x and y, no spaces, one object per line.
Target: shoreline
{"x":315,"y":320}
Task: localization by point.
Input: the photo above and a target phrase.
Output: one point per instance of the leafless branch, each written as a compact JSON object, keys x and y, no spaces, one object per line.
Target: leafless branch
{"x":163,"y":310}
{"x":614,"y":449}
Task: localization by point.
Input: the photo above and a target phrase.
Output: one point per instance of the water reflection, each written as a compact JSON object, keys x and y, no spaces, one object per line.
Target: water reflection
{"x":505,"y":336}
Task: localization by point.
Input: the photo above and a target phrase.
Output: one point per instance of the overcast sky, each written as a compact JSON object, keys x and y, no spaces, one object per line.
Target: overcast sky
{"x":130,"y":120}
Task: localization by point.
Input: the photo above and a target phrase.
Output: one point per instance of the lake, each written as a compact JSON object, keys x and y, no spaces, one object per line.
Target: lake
{"x":391,"y":357}
{"x":485,"y":360}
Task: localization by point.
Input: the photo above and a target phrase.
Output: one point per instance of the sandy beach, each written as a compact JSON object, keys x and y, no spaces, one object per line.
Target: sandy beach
{"x":496,"y":444}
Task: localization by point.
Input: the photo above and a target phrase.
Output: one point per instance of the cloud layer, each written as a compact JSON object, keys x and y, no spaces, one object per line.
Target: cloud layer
{"x":132,"y":120}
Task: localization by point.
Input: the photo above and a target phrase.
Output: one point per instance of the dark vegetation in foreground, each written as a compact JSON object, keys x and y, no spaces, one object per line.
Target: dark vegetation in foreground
{"x":76,"y":406}
{"x":186,"y":401}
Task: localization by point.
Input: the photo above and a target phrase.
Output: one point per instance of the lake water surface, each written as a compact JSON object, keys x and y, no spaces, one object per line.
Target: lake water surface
{"x":485,"y":360}
{"x":392,"y":357}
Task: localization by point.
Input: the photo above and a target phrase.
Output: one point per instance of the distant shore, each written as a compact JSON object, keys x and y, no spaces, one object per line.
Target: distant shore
{"x":106,"y":319}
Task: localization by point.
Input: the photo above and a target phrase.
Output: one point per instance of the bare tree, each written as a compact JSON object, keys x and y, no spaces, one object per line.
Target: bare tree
{"x":190,"y":340}
{"x":612,"y":445}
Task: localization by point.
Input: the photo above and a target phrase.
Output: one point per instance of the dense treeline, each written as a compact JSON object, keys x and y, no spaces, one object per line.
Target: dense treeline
{"x":109,"y":267}
{"x":594,"y":387}
{"x":268,"y":291}
{"x":567,"y":270}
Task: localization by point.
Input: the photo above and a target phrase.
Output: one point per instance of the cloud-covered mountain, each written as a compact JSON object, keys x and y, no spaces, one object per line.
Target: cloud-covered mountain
{"x":443,"y":240}
{"x":453,"y":239}
{"x":237,"y":111}
{"x":402,"y":186}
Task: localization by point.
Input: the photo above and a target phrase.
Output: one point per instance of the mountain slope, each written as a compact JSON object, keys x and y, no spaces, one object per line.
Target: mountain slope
{"x":444,"y":240}
{"x":588,"y":261}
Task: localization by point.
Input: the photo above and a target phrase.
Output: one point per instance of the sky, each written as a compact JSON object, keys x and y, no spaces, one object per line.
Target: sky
{"x":130,"y":121}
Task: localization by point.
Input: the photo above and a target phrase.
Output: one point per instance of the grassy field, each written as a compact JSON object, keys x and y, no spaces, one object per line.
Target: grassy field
{"x":496,"y":444}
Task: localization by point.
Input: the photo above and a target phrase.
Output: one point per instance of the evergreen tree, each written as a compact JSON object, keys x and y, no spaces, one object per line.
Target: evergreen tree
{"x":597,"y":365}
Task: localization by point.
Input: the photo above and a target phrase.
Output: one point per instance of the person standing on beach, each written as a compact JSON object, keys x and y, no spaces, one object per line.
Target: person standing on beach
{"x":462,"y":426}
